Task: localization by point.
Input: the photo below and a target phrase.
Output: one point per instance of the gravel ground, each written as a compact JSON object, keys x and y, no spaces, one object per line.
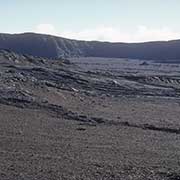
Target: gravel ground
{"x":61,"y":121}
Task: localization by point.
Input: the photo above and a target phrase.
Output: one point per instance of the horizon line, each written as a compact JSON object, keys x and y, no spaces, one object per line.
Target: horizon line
{"x":120,"y":42}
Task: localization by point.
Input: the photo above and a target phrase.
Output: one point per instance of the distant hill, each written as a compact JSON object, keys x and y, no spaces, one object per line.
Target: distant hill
{"x":55,"y":47}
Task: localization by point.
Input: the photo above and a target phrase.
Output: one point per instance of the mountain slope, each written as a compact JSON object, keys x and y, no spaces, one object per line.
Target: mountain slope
{"x":55,"y":47}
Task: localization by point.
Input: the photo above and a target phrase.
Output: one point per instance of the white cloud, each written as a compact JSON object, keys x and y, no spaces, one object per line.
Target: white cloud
{"x":46,"y":29}
{"x":103,"y":33}
{"x":100,"y":34}
{"x":150,"y":34}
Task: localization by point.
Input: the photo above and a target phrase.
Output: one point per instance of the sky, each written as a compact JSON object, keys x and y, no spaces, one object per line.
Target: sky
{"x":102,"y":20}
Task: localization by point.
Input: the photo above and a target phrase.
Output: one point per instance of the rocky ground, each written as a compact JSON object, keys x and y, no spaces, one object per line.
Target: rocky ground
{"x":88,"y":119}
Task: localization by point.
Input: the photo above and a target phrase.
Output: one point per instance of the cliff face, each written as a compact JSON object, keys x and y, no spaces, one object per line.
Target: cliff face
{"x":56,"y":47}
{"x":39,"y":45}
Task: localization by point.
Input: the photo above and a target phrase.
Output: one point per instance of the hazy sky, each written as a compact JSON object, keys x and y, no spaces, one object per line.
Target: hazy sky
{"x":105,"y":20}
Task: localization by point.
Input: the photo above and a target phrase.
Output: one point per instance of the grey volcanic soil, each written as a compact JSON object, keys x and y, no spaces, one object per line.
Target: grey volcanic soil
{"x":94,"y":119}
